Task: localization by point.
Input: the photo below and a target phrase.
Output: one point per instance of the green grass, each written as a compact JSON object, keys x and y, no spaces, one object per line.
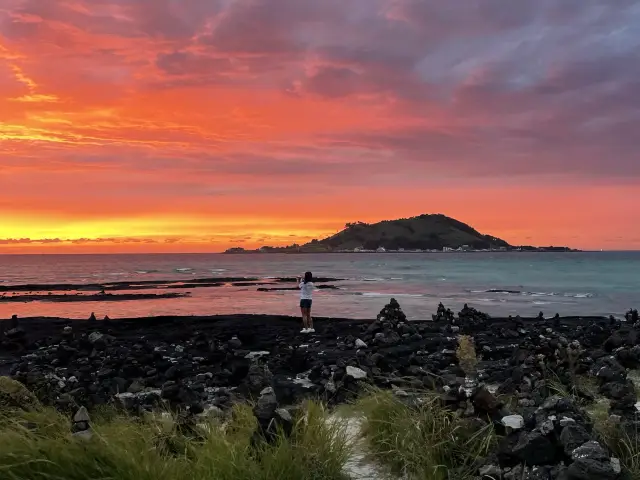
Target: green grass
{"x":125,"y":448}
{"x":624,"y":444}
{"x":425,"y":441}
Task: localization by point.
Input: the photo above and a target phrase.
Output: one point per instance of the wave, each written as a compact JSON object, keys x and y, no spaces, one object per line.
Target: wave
{"x":216,"y":270}
{"x":144,"y":272}
{"x":533,"y":294}
{"x":374,"y":279}
{"x":390,"y":295}
{"x":183,"y":270}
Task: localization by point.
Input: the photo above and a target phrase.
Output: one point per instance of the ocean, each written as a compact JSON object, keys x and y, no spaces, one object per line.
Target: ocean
{"x":597,"y":283}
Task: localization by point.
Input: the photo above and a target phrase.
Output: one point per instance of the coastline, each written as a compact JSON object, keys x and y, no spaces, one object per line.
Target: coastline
{"x":258,"y":331}
{"x":197,"y":366}
{"x":285,"y":250}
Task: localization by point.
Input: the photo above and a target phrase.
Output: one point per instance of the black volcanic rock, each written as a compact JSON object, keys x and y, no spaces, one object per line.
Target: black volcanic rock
{"x":190,"y":364}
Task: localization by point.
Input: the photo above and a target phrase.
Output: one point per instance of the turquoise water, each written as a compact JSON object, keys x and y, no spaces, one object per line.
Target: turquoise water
{"x":599,"y":283}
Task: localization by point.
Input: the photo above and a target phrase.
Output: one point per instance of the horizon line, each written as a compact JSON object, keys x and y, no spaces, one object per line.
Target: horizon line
{"x":301,"y":253}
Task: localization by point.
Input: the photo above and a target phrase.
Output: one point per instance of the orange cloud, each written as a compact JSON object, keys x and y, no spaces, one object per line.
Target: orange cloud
{"x":194,"y":125}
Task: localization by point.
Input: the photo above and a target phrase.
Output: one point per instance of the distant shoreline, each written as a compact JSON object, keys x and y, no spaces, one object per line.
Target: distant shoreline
{"x":297,"y":252}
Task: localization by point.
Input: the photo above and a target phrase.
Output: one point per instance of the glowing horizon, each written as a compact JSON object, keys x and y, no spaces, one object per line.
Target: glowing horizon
{"x":197,"y":125}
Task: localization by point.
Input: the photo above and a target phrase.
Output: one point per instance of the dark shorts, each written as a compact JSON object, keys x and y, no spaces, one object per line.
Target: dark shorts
{"x":305,"y":303}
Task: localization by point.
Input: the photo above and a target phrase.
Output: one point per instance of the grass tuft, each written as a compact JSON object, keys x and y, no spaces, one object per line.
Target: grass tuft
{"x":424,"y":441}
{"x":624,"y":443}
{"x":38,"y":446}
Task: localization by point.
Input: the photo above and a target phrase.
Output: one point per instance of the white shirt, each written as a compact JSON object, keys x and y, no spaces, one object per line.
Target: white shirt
{"x":306,"y":290}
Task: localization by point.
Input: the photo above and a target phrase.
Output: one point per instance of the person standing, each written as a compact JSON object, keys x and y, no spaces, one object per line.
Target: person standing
{"x":305,"y":284}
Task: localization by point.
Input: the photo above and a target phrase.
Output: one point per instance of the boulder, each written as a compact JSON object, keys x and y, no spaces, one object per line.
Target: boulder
{"x":572,"y":437}
{"x":591,"y":462}
{"x":534,"y":448}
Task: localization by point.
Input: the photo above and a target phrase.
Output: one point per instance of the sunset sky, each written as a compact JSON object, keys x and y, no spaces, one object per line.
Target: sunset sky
{"x":195,"y":125}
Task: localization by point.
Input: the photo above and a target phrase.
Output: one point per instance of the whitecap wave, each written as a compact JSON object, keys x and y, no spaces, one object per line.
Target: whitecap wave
{"x":374,"y":279}
{"x":218,"y":270}
{"x":390,"y":295}
{"x":183,"y":270}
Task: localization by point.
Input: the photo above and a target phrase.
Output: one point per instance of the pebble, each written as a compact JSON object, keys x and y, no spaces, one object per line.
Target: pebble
{"x":515,"y":422}
{"x":356,"y":373}
{"x":360,"y":344}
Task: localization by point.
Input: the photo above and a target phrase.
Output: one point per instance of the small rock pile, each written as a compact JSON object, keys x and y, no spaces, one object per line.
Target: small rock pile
{"x":443,"y":314}
{"x":470,"y":318}
{"x":271,"y":418}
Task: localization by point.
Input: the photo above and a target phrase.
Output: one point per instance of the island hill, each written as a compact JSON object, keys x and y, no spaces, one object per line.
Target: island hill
{"x":435,"y":232}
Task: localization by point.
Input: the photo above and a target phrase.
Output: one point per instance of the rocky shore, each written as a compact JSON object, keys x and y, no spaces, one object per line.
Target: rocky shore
{"x":144,"y":289}
{"x":206,"y":364}
{"x":102,"y":297}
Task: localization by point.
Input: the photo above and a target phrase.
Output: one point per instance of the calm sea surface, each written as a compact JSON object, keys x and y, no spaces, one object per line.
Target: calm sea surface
{"x":498,"y":283}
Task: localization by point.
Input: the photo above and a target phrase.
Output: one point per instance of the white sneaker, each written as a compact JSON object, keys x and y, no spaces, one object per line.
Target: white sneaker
{"x":304,"y":330}
{"x":311,"y":330}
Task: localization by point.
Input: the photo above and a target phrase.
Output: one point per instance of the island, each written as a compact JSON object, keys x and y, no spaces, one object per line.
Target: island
{"x":423,"y":233}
